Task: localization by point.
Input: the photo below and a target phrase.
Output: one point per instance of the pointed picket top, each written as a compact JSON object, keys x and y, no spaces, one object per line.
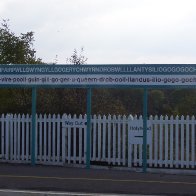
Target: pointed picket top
{"x":130,"y":117}
{"x":58,"y":115}
{"x":64,"y":116}
{"x":135,"y":116}
{"x":156,"y":117}
{"x":99,"y":117}
{"x":140,"y":117}
{"x":49,"y":116}
{"x":161,"y":117}
{"x":172,"y":118}
{"x":166,"y":117}
{"x":151,"y":117}
{"x":104,"y":117}
{"x":80,"y":116}
{"x":109,"y":117}
{"x":19,"y":116}
{"x":187,"y":117}
{"x":40,"y":116}
{"x":94,"y":118}
{"x":27,"y":116}
{"x":23,"y":116}
{"x":54,"y":116}
{"x":124,"y":117}
{"x":74,"y":116}
{"x":85,"y":117}
{"x":177,"y":117}
{"x":69,"y":116}
{"x":182,"y":117}
{"x":11,"y":116}
{"x":15,"y":117}
{"x":119,"y":117}
{"x":2,"y":115}
{"x":45,"y":116}
{"x":114,"y":117}
{"x":193,"y":117}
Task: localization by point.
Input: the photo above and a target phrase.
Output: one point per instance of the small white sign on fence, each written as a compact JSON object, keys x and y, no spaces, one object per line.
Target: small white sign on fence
{"x":79,"y":123}
{"x":136,"y":132}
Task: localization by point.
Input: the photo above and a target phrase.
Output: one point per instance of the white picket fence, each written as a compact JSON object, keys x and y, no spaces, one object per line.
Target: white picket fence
{"x":173,"y":141}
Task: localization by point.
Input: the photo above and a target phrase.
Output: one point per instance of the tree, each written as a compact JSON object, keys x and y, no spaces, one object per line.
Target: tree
{"x":156,"y":102}
{"x":77,"y":59}
{"x":183,"y":101}
{"x":16,"y":49}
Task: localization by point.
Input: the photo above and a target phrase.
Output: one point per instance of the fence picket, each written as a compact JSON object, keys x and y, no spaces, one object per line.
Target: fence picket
{"x":54,"y":138}
{"x":63,"y":147}
{"x":99,"y":137}
{"x":2,"y":135}
{"x":150,"y":146}
{"x":193,"y":142}
{"x":40,"y":137}
{"x":114,"y":140}
{"x":18,"y":132}
{"x":11,"y":137}
{"x":161,"y":142}
{"x":109,"y":139}
{"x":74,"y":141}
{"x":45,"y":137}
{"x":27,"y":130}
{"x":22,"y":139}
{"x":49,"y":138}
{"x":124,"y":145}
{"x":130,"y":146}
{"x":182,"y":142}
{"x":85,"y":135}
{"x":119,"y":140}
{"x":166,"y":141}
{"x":8,"y":135}
{"x":104,"y":139}
{"x":156,"y":141}
{"x":187,"y":141}
{"x":177,"y":142}
{"x":58,"y":137}
{"x":15,"y":131}
{"x":80,"y":142}
{"x":171,"y":140}
{"x":94,"y":136}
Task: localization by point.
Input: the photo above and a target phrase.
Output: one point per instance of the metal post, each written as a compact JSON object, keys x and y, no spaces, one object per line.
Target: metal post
{"x":88,"y":145}
{"x":145,"y":107}
{"x":33,"y":125}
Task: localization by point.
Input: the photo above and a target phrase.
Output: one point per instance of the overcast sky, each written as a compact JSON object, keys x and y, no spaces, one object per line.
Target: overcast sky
{"x":111,"y":31}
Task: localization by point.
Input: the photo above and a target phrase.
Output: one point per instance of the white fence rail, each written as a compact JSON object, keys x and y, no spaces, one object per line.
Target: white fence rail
{"x":60,"y":142}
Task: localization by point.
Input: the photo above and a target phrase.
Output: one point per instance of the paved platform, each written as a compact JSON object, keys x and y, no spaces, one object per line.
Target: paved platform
{"x":62,"y":180}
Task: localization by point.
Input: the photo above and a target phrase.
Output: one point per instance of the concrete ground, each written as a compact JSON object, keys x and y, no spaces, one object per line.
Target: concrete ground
{"x":19,"y":179}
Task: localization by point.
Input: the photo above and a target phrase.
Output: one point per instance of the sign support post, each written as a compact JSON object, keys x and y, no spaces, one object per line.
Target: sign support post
{"x":88,"y":144}
{"x":145,"y":107}
{"x":33,"y":125}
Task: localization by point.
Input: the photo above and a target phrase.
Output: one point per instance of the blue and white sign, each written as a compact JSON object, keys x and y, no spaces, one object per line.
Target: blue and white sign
{"x":98,"y":75}
{"x":77,"y":123}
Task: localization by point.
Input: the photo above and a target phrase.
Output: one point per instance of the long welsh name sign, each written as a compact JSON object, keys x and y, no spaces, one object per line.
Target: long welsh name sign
{"x":99,"y":75}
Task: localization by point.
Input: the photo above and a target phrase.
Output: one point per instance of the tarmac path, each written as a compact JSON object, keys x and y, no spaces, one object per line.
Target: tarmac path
{"x":99,"y":181}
